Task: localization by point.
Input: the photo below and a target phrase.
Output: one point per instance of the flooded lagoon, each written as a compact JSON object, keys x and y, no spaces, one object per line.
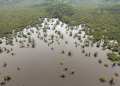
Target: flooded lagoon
{"x":40,"y":66}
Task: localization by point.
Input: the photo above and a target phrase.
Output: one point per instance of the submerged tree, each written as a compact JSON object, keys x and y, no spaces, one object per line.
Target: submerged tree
{"x":52,"y":48}
{"x":66,"y":67}
{"x":4,"y":64}
{"x":2,"y":82}
{"x":62,"y":51}
{"x":63,"y":74}
{"x":71,"y":33}
{"x":29,"y":39}
{"x":79,"y":37}
{"x":83,"y":51}
{"x":72,"y":71}
{"x":89,"y":53}
{"x":112,"y":79}
{"x":95,"y":54}
{"x":1,"y":49}
{"x":66,"y":42}
{"x":69,"y":53}
{"x":103,"y":78}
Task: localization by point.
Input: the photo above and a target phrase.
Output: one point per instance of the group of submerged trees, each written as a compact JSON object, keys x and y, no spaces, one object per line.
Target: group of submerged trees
{"x":112,"y":56}
{"x":103,"y":79}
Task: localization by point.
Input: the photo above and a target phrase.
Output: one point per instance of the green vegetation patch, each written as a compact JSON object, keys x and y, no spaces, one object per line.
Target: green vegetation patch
{"x":113,"y":56}
{"x":100,"y":61}
{"x":61,"y":62}
{"x":106,"y":64}
{"x":116,"y":74}
{"x":0,"y":41}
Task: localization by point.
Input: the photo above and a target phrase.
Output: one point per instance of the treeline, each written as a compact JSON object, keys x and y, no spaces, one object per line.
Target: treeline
{"x":18,"y":17}
{"x":101,"y":19}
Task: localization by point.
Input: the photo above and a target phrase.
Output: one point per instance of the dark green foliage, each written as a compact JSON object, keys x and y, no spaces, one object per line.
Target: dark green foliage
{"x":25,"y":36}
{"x":106,"y":64}
{"x":0,"y":41}
{"x":62,"y":51}
{"x":109,"y":46}
{"x":60,"y":10}
{"x":18,"y":17}
{"x":11,"y":43}
{"x":118,"y":63}
{"x":119,"y":52}
{"x":113,"y":56}
{"x":28,"y":33}
{"x":98,"y":44}
{"x":80,"y":40}
{"x":115,"y":49}
{"x":1,"y":49}
{"x":100,"y":61}
{"x":83,"y":50}
{"x":66,"y":19}
{"x":104,"y":48}
{"x":104,"y":44}
{"x":116,"y":74}
{"x":97,"y":17}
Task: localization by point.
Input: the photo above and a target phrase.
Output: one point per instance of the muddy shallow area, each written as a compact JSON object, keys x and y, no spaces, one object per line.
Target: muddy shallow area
{"x":40,"y":66}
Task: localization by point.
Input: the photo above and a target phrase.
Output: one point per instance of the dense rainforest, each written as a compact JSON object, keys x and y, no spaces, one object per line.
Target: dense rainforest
{"x":100,"y":16}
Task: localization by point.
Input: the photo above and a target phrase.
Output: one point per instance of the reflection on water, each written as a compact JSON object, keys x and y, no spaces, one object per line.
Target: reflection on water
{"x":40,"y":66}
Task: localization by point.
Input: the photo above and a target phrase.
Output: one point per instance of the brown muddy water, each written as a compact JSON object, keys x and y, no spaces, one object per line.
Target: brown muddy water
{"x":40,"y":66}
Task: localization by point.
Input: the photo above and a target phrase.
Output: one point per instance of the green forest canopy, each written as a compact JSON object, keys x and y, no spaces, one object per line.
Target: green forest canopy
{"x":99,"y":16}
